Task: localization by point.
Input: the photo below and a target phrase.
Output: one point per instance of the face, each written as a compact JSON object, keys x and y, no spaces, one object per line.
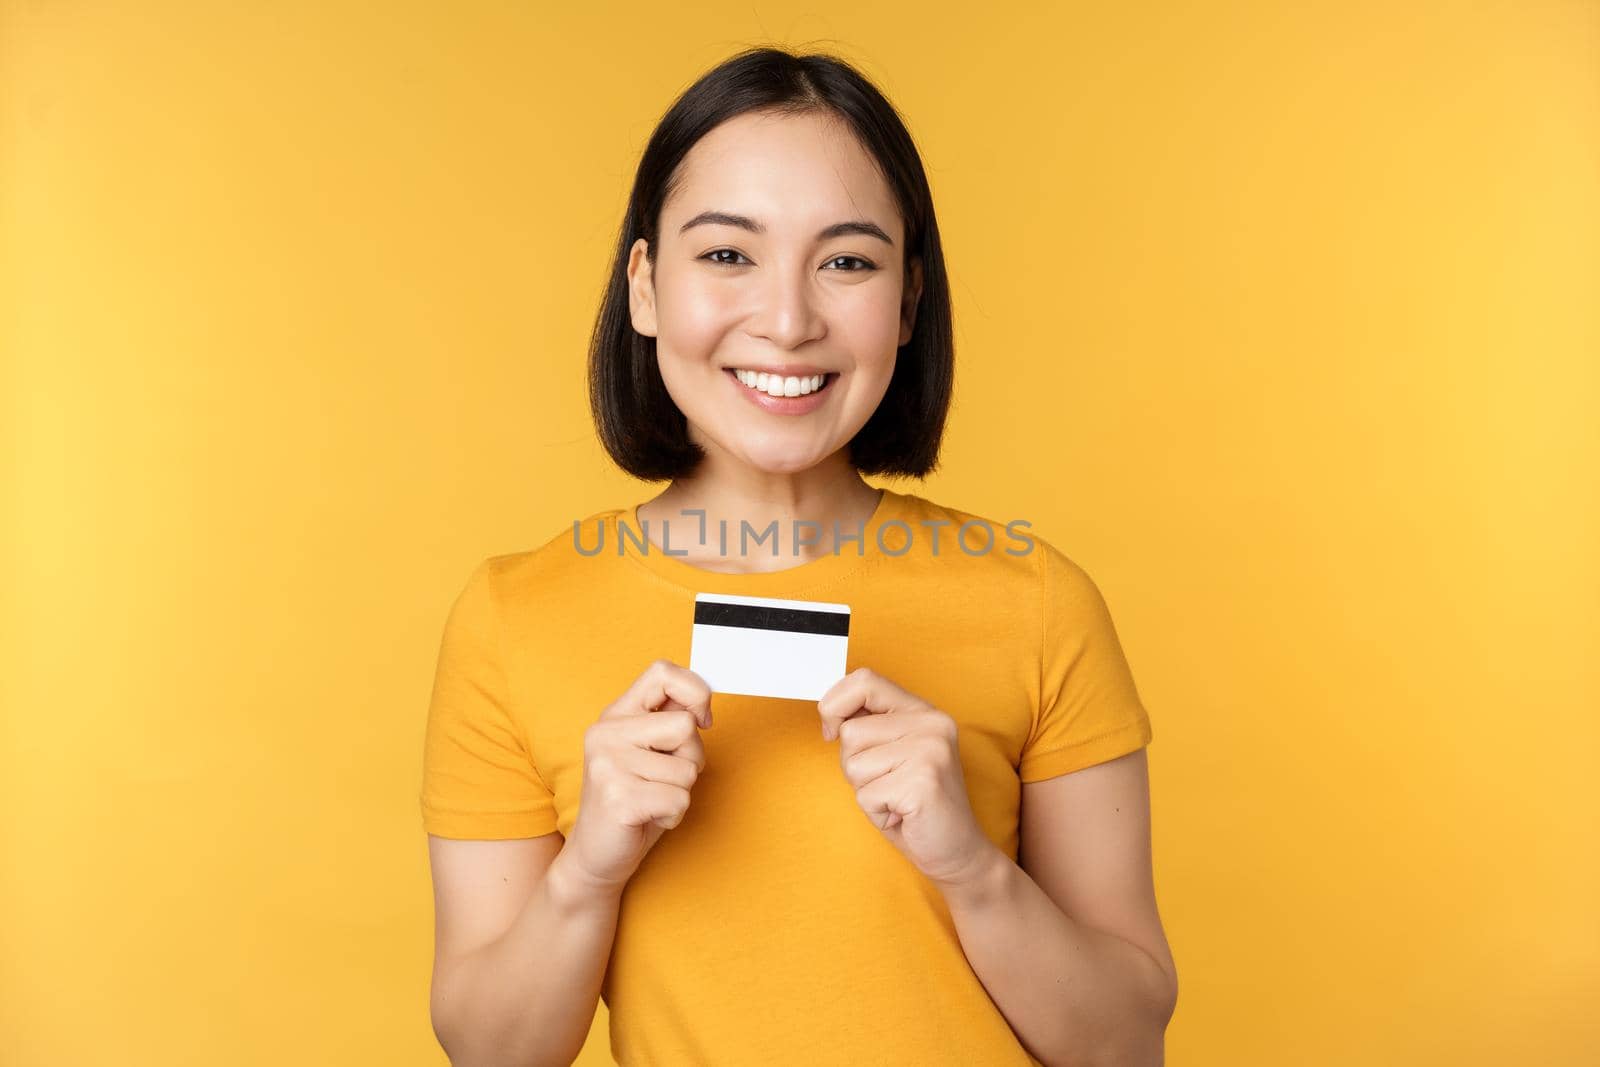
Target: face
{"x":754,"y":272}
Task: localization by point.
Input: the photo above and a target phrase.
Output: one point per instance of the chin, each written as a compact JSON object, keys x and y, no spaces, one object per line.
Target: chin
{"x":784,"y":468}
{"x":781,"y":464}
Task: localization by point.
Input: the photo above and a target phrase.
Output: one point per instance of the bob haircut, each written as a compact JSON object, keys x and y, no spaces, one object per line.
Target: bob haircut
{"x":640,"y":426}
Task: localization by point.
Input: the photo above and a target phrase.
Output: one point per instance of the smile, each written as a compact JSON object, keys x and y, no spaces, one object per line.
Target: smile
{"x":780,"y":395}
{"x":774,"y":385}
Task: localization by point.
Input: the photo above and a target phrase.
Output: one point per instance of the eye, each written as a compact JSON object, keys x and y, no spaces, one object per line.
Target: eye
{"x":723,"y":262}
{"x":865,"y":266}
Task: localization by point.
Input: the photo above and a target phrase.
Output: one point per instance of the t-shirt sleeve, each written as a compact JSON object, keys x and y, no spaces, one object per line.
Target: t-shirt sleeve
{"x":478,"y":776}
{"x":1089,"y":708}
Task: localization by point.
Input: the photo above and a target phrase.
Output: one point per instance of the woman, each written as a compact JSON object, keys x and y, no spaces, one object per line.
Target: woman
{"x":944,"y":860}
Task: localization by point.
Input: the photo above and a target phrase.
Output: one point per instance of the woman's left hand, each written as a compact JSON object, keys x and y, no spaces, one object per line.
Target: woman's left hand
{"x":900,"y":754}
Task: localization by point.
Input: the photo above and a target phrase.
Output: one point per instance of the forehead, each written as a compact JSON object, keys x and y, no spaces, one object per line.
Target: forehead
{"x":795,"y":173}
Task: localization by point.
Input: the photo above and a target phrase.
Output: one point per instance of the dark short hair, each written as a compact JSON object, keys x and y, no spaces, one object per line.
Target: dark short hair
{"x":640,"y":426}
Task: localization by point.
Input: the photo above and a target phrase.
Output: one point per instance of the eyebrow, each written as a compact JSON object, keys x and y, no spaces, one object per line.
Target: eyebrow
{"x":744,"y":222}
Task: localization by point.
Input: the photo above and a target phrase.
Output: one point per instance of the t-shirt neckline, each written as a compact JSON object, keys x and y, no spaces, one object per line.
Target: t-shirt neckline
{"x":814,"y":573}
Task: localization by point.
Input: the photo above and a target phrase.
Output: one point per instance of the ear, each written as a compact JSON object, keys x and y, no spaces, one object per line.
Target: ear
{"x":641,"y":289}
{"x":909,"y":300}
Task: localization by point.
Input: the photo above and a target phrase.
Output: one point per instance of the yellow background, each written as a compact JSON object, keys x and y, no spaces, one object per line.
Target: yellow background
{"x":1278,"y":318}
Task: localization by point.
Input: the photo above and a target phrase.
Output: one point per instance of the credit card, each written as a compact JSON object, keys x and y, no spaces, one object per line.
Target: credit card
{"x":767,"y":647}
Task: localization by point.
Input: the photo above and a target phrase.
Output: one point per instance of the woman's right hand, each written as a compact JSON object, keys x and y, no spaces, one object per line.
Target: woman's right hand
{"x":640,"y":759}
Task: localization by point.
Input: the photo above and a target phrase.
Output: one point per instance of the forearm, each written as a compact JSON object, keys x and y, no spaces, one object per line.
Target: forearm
{"x":528,"y":998}
{"x":1075,"y":996}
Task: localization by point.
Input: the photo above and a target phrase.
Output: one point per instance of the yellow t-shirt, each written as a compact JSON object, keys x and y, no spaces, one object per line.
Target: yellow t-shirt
{"x":775,"y":924}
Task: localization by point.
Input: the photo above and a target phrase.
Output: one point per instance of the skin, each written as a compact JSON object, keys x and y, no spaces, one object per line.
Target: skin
{"x":719,"y":295}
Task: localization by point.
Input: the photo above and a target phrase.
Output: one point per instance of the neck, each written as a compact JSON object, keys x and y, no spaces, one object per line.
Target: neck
{"x":827,"y":494}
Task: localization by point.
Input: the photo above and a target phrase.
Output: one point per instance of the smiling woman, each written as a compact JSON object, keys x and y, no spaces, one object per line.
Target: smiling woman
{"x":967,"y":878}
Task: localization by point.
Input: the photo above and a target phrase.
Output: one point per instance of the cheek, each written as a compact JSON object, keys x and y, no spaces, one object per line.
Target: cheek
{"x":691,"y":317}
{"x":873,"y":327}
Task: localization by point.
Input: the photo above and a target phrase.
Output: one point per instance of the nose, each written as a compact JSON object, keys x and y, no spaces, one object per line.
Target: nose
{"x":787,"y":313}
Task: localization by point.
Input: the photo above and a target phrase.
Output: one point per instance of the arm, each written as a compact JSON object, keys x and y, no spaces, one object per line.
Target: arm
{"x":521,"y":947}
{"x":1069,"y":944}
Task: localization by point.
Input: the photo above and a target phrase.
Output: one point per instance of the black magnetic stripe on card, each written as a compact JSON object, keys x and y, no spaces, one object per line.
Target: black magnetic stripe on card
{"x":761,"y":617}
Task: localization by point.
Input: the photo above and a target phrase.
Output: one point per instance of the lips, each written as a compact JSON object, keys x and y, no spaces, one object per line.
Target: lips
{"x":779,"y":403}
{"x":780,"y":385}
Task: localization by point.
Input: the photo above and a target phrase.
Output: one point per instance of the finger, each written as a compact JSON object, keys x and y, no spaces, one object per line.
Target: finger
{"x":674,"y":732}
{"x":659,"y":803}
{"x":868,"y":764}
{"x":668,"y":685}
{"x":864,"y":730}
{"x":649,"y":765}
{"x":884,"y":799}
{"x":862,"y":690}
{"x":664,"y":685}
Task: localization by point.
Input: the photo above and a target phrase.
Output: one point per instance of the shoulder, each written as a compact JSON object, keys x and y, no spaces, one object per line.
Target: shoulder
{"x":1008,"y":544}
{"x":1032,"y":573}
{"x":566,"y":558}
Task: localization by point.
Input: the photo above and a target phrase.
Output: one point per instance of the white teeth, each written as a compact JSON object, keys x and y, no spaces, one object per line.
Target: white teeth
{"x":773,"y":385}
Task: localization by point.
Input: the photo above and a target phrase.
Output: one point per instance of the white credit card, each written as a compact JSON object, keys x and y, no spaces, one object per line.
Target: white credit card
{"x":766,"y":647}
